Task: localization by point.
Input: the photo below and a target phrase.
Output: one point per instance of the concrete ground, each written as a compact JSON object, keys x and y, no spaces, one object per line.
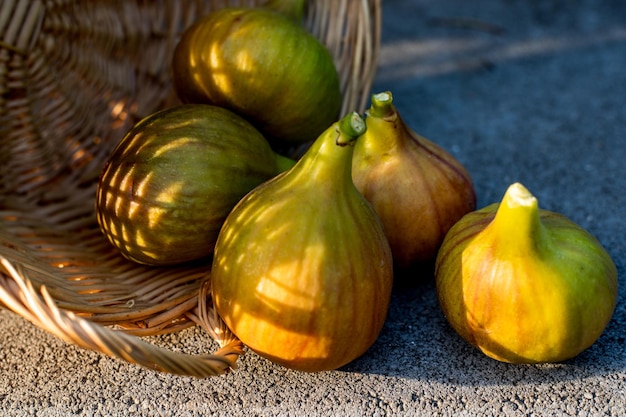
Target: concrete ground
{"x":518,"y":90}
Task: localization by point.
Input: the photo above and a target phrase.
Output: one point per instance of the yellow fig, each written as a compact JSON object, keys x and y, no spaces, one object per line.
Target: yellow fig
{"x":523,"y":284}
{"x":416,"y":187}
{"x":302,"y":271}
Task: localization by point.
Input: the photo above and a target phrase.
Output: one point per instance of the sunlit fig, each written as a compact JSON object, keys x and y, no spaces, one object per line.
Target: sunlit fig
{"x":417,"y":188}
{"x":263,"y":65}
{"x":169,"y":184}
{"x":302,"y":271}
{"x":525,"y":285}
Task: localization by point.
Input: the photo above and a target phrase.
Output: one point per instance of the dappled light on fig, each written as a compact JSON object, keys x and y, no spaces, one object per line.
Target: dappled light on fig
{"x":523,"y":284}
{"x":262,"y":65}
{"x":169,"y":185}
{"x":302,"y":272}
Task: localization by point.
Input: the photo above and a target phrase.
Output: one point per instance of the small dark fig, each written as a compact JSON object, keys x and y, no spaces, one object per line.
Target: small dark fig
{"x":302,"y":272}
{"x":263,"y":65}
{"x":169,"y":184}
{"x":417,"y":188}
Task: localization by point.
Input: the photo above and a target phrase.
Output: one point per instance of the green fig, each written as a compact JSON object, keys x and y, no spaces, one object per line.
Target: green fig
{"x":302,"y":271}
{"x":169,"y":184}
{"x":263,"y":65}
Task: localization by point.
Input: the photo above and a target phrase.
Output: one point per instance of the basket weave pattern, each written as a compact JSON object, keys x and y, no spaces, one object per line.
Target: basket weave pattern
{"x":74,"y":77}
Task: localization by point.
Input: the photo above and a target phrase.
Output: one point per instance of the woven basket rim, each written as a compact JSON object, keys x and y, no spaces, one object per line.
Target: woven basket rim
{"x":56,"y":269}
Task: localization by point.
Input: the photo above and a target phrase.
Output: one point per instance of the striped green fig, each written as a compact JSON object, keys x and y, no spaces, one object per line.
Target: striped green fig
{"x":169,"y":184}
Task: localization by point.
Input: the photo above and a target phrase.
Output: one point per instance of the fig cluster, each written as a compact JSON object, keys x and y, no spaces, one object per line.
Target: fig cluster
{"x":251,"y":81}
{"x":304,"y":252}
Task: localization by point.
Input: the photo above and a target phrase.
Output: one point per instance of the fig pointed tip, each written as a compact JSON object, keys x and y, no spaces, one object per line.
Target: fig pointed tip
{"x":517,"y":195}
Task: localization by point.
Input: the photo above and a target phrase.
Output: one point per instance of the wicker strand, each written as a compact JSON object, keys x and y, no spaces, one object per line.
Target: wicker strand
{"x":41,"y":310}
{"x":142,"y":300}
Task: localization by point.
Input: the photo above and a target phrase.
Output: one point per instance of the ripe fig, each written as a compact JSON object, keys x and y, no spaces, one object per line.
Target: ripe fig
{"x":169,"y":184}
{"x":263,"y":65}
{"x":417,"y":188}
{"x":523,"y":284}
{"x":302,"y":271}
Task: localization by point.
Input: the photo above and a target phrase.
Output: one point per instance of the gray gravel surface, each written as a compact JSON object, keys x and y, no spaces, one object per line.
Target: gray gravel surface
{"x":518,"y":90}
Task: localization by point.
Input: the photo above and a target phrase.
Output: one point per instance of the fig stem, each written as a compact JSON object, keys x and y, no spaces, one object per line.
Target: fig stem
{"x":387,"y":133}
{"x":517,"y":222}
{"x":350,"y":127}
{"x":382,"y":105}
{"x":329,"y":159}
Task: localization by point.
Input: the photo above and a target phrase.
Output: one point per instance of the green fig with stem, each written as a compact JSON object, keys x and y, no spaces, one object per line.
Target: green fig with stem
{"x":302,"y":272}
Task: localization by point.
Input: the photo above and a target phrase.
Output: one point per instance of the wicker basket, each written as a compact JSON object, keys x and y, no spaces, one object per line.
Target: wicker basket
{"x":74,"y":77}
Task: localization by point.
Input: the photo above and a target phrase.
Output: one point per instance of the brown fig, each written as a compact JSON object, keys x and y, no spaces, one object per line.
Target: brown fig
{"x":417,"y":188}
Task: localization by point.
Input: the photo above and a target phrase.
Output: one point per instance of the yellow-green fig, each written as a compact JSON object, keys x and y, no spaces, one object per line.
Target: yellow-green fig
{"x":169,"y":184}
{"x":302,"y":271}
{"x":523,"y":284}
{"x":416,"y":187}
{"x":263,"y":65}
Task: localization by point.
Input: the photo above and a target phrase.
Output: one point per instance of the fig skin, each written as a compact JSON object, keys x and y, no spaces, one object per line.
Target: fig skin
{"x":262,"y":65}
{"x":169,"y":184}
{"x":416,"y":187}
{"x":302,"y":272}
{"x":525,"y":285}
